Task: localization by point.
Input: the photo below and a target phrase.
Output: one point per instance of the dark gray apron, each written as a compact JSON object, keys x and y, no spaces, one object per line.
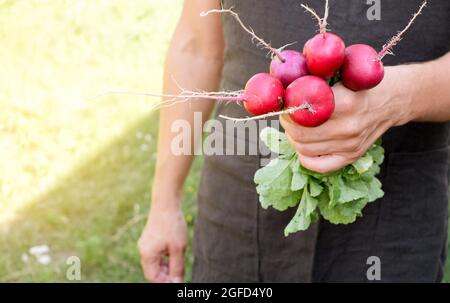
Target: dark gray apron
{"x":237,"y":241}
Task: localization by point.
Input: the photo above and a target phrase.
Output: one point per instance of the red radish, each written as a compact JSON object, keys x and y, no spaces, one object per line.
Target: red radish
{"x":290,"y":69}
{"x":315,"y":96}
{"x":263,"y":94}
{"x":324,"y":54}
{"x":363,"y":68}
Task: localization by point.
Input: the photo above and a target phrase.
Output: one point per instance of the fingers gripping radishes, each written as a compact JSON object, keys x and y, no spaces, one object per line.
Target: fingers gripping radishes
{"x":324,"y":54}
{"x":361,"y":69}
{"x":317,"y":98}
{"x":291,"y":68}
{"x":263,"y":94}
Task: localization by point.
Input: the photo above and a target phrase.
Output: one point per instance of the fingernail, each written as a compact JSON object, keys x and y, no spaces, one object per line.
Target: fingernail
{"x":177,"y":280}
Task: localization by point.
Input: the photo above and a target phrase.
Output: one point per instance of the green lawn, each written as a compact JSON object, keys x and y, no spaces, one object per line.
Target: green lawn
{"x":96,"y":213}
{"x":76,"y":172}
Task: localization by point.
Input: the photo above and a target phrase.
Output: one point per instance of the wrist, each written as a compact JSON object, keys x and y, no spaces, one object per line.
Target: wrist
{"x":401,"y":89}
{"x":165,"y":196}
{"x":166,"y":201}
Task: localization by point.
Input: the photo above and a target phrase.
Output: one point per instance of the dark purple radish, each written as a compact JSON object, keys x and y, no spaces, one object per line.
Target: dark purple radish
{"x":290,"y":69}
{"x":314,"y":97}
{"x":363,"y":67}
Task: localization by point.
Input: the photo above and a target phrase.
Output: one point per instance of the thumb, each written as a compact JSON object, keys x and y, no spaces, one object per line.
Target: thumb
{"x":176,"y":264}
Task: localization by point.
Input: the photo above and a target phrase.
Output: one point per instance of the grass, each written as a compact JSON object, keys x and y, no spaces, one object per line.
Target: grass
{"x":95,"y":213}
{"x":76,"y":172}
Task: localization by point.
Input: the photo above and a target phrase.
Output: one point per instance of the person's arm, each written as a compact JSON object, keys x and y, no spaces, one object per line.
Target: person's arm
{"x":431,"y":90}
{"x":194,"y":60}
{"x":413,"y":92}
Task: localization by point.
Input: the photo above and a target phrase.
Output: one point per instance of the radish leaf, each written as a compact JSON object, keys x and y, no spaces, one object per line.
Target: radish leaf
{"x":338,"y":197}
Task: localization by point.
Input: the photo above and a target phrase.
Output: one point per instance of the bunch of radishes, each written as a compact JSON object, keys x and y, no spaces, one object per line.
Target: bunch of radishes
{"x":299,"y":83}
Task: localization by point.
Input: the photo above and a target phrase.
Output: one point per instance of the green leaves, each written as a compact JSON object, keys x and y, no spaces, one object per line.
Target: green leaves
{"x":276,"y":142}
{"x":342,"y":213}
{"x":314,"y":187}
{"x":340,"y":197}
{"x":303,"y":217}
{"x":351,"y":190}
{"x":363,"y":164}
{"x":274,"y":187}
{"x":374,"y":190}
{"x":299,"y":179}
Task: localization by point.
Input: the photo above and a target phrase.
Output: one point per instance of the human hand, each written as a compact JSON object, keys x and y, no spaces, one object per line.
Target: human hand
{"x":163,"y":242}
{"x":360,"y":118}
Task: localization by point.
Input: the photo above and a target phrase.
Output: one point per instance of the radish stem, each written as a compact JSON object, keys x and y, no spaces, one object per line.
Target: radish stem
{"x":224,"y":96}
{"x":323,"y":29}
{"x":392,"y":42}
{"x":321,"y":21}
{"x":249,"y":30}
{"x":272,"y":114}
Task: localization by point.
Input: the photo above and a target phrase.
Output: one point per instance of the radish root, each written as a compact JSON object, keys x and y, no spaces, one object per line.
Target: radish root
{"x":184,"y":91}
{"x":225,"y":96}
{"x":323,"y":29}
{"x":174,"y":99}
{"x":323,"y":22}
{"x":287,"y":45}
{"x":387,"y":48}
{"x":183,"y":94}
{"x":272,"y":114}
{"x":273,"y":51}
{"x":182,"y":97}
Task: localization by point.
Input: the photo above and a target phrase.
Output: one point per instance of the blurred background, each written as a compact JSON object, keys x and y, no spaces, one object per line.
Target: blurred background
{"x":76,"y":172}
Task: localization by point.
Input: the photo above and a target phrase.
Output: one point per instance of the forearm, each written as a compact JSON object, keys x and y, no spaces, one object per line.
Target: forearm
{"x":171,"y":169}
{"x":428,"y":90}
{"x":414,"y":92}
{"x":193,"y":67}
